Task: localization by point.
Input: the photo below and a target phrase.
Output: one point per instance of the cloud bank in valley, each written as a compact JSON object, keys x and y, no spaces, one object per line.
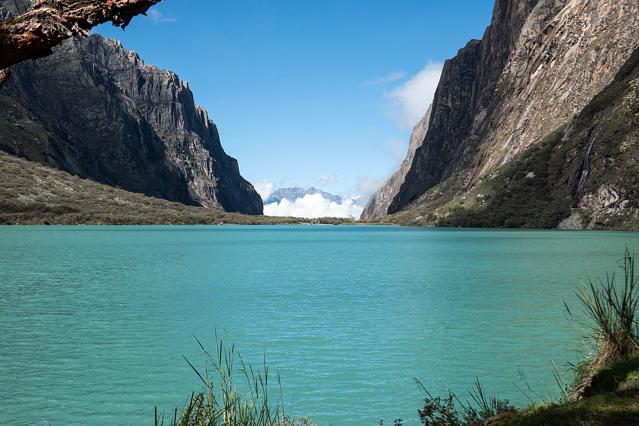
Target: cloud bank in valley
{"x":313,"y":206}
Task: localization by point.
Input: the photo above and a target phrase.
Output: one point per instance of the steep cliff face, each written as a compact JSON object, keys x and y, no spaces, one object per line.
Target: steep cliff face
{"x":583,"y":175}
{"x":96,"y":110}
{"x":465,"y":91}
{"x":538,"y":65}
{"x":378,"y":205}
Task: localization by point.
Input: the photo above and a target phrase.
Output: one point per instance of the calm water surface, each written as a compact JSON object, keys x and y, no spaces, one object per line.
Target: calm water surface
{"x":94,"y":319}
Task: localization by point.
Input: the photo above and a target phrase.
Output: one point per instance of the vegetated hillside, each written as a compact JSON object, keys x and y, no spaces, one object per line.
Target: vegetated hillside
{"x":31,"y":193}
{"x":538,"y":65}
{"x":95,"y":109}
{"x":583,"y":175}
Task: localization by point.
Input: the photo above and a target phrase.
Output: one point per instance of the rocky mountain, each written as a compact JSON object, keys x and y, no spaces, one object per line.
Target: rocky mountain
{"x":380,"y":202}
{"x":96,"y":110}
{"x":33,"y":194}
{"x":583,"y":175}
{"x":292,"y":194}
{"x":538,"y":67}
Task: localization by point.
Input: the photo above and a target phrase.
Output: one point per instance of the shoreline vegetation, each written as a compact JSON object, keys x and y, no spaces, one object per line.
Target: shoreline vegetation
{"x":34,"y":194}
{"x":603,"y":389}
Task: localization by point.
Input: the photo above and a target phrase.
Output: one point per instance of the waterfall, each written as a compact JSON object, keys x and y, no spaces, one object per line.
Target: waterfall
{"x":585,"y":165}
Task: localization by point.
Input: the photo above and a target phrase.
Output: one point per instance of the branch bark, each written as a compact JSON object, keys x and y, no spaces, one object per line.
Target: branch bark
{"x":49,"y":22}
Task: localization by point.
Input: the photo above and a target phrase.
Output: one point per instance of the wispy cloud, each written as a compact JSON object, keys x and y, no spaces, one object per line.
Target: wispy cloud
{"x":315,"y":206}
{"x":389,"y":78}
{"x":398,"y":148}
{"x":413,"y":97}
{"x":366,"y":187}
{"x":158,"y":17}
{"x":264,"y":189}
{"x":325,"y":179}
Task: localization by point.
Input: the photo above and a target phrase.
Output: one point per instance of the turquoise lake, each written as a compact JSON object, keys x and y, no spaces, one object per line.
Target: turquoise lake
{"x":95,"y":319}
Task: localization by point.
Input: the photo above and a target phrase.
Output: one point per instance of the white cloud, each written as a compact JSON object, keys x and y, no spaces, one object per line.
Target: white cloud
{"x":414,"y":96}
{"x":264,"y":189}
{"x":315,"y":206}
{"x":389,"y":78}
{"x":158,"y":17}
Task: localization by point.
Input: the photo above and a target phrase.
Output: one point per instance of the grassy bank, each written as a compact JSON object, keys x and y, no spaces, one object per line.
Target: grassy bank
{"x":35,"y":194}
{"x":604,"y":388}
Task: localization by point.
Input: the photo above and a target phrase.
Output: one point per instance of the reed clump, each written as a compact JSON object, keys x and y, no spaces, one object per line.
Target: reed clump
{"x":609,"y":315}
{"x":223,"y":402}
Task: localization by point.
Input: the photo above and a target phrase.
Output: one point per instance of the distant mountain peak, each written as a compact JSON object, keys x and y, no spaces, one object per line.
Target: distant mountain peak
{"x":295,"y":193}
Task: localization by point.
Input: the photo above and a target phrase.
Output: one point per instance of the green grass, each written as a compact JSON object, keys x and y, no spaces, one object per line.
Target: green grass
{"x":234,"y":394}
{"x":31,"y":193}
{"x":610,"y":378}
{"x":600,"y":410}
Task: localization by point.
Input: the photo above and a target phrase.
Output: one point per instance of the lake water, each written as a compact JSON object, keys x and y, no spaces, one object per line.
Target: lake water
{"x":94,"y":320}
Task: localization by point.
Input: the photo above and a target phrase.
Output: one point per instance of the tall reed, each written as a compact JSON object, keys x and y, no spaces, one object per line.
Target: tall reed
{"x":611,"y":315}
{"x":223,"y":403}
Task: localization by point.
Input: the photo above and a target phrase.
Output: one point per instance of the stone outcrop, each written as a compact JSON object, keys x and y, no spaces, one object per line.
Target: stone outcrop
{"x":537,"y":66}
{"x":96,"y":110}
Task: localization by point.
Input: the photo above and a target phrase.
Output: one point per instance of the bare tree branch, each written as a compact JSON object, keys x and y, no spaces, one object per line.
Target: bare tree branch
{"x":49,"y":22}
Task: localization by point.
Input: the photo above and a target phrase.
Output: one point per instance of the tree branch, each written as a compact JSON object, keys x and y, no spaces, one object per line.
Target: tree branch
{"x":49,"y":22}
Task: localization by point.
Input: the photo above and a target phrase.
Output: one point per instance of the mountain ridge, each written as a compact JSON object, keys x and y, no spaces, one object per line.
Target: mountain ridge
{"x":96,"y":110}
{"x":581,"y":176}
{"x":539,"y":64}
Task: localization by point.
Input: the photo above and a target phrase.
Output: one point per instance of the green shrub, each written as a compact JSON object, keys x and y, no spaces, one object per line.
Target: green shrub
{"x":452,"y":411}
{"x":609,"y":378}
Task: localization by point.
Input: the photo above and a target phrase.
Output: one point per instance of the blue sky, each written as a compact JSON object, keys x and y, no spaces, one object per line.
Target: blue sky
{"x":309,"y":92}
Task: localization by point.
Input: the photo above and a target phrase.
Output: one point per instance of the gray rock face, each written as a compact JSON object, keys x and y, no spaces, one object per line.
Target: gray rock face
{"x":463,"y":97}
{"x":9,"y":8}
{"x":583,"y":175}
{"x":538,"y":65}
{"x":96,"y":110}
{"x":378,"y":205}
